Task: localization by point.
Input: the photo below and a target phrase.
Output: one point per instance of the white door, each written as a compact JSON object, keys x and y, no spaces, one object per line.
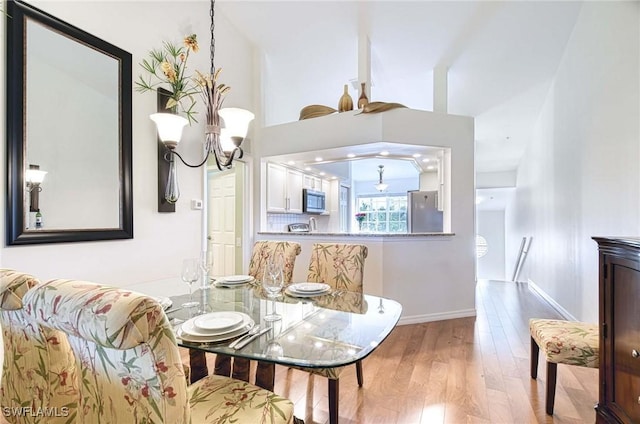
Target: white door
{"x":222,"y":221}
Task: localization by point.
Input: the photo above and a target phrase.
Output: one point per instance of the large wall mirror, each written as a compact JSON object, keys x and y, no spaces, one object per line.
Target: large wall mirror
{"x":69,"y":115}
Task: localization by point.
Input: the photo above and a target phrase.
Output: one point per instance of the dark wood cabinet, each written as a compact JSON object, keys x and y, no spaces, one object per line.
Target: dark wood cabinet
{"x":619,"y":291}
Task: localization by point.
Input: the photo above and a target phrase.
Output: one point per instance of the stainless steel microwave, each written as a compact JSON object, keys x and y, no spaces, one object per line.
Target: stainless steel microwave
{"x":313,"y":201}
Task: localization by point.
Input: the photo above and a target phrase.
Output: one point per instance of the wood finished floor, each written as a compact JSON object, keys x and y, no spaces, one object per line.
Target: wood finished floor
{"x":468,"y":370}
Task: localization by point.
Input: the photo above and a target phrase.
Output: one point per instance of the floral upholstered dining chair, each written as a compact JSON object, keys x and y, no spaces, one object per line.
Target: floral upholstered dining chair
{"x":262,"y":251}
{"x":342,"y":267}
{"x":39,"y":368}
{"x":131,"y":368}
{"x":339,"y":265}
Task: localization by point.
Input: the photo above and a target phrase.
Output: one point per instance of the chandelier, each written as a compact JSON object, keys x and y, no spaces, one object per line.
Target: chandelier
{"x":225,"y":129}
{"x":381,"y":186}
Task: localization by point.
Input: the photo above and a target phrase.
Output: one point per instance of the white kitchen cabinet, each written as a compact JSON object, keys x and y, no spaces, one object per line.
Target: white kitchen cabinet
{"x":284,"y":189}
{"x":294,"y":191}
{"x":312,"y":183}
{"x":276,"y":188}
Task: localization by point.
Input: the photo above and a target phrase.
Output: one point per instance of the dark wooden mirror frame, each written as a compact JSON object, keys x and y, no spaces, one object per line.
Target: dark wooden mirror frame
{"x":17,"y":13}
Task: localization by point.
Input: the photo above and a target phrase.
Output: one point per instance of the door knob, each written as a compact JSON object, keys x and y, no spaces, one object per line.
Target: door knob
{"x":635,"y":353}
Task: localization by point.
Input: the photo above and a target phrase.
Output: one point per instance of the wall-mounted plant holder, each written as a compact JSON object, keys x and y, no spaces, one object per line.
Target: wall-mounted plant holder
{"x":163,"y":165}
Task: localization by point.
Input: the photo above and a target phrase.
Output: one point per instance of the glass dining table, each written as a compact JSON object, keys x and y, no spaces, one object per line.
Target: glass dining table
{"x":331,"y":330}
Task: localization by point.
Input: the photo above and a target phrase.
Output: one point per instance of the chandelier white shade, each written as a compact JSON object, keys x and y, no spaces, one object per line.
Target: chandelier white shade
{"x":236,"y":121}
{"x":170,"y":127}
{"x":382,"y":186}
{"x":236,"y":124}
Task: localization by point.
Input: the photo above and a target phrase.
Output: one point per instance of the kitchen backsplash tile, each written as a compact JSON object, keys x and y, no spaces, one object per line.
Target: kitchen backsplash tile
{"x":279,"y":221}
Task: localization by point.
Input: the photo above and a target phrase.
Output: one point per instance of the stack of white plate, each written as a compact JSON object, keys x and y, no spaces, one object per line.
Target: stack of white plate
{"x":215,"y":327}
{"x":233,"y":280}
{"x":308,"y":289}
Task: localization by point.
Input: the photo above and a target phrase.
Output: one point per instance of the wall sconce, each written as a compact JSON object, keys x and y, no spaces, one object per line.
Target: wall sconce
{"x":34,"y":177}
{"x":381,"y":186}
{"x":225,"y":129}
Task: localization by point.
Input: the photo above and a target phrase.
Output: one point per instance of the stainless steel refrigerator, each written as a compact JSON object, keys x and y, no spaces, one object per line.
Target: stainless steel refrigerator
{"x":423,"y":215}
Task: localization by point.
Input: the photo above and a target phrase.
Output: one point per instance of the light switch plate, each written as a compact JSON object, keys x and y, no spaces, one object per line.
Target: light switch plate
{"x":196,"y":204}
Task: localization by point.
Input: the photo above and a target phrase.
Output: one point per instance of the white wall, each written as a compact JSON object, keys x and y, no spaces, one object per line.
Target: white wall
{"x":490,"y":225}
{"x":160,"y":241}
{"x":432,"y":278}
{"x":580,"y":174}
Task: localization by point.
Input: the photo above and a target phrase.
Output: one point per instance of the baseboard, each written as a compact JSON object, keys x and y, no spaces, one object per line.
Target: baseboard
{"x":548,"y":299}
{"x":418,"y":319}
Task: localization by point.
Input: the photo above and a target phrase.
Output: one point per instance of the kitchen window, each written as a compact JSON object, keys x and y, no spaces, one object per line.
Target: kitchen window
{"x":387,"y":214}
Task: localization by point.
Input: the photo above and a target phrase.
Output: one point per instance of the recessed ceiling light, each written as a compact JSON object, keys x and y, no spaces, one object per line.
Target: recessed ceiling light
{"x":322,"y":173}
{"x":416,"y":155}
{"x":291,"y":162}
{"x":351,"y":155}
{"x":307,"y":169}
{"x":318,"y":158}
{"x":384,"y":153}
{"x":425,"y":160}
{"x":334,"y":177}
{"x":430,"y":167}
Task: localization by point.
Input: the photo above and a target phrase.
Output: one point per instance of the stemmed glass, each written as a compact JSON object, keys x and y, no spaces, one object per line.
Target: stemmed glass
{"x":190,"y":274}
{"x":272,"y":282}
{"x":273,"y":349}
{"x":206,"y":263}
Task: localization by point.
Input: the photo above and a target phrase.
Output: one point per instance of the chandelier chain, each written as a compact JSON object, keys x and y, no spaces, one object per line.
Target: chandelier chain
{"x":212,"y":48}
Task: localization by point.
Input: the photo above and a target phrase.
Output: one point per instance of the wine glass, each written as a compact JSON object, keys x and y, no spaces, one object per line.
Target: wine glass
{"x":190,"y":274}
{"x":273,"y":349}
{"x":272,"y":282}
{"x":206,"y":263}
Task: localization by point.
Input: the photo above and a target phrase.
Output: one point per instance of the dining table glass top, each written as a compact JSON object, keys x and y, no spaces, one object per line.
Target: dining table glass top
{"x":330,"y":330}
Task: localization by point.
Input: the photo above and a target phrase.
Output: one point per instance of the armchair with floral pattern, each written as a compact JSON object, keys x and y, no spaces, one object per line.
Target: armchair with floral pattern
{"x":130,"y":366}
{"x":39,"y":372}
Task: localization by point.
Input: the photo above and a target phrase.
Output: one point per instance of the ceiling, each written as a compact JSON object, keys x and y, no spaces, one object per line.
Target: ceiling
{"x":360,"y":162}
{"x":501,"y":58}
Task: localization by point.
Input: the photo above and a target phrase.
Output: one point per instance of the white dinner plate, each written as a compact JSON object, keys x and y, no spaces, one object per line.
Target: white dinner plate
{"x":307,"y":288}
{"x":307,"y":294}
{"x":234,"y":279}
{"x":218,"y":321}
{"x":165,"y":302}
{"x":211,"y":338}
{"x":186,"y":332}
{"x":190,"y":328}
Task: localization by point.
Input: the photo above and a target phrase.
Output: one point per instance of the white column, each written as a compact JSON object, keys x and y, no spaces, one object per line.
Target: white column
{"x":364,"y":50}
{"x":440,"y":94}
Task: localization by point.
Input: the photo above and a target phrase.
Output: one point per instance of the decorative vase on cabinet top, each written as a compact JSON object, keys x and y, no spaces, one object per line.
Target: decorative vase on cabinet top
{"x":363,"y":100}
{"x":346,"y":102}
